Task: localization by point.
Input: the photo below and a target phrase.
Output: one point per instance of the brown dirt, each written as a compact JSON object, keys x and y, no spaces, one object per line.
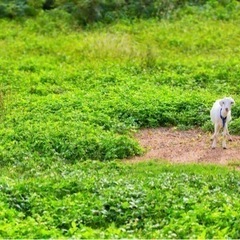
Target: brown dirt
{"x":191,"y":146}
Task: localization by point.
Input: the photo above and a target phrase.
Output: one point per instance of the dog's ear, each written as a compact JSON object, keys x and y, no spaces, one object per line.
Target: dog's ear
{"x":232,"y":101}
{"x":221,"y":102}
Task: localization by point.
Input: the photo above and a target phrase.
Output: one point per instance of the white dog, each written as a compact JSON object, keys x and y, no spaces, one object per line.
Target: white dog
{"x":221,"y":116}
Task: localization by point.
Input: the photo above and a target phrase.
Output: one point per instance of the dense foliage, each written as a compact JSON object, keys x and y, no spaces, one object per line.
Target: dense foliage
{"x":69,"y":94}
{"x":90,"y":11}
{"x":100,"y":200}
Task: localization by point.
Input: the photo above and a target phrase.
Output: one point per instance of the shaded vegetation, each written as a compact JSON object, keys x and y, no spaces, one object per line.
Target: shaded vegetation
{"x":107,"y":11}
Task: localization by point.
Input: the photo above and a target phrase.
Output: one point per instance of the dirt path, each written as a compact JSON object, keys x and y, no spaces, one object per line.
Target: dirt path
{"x":185,"y":146}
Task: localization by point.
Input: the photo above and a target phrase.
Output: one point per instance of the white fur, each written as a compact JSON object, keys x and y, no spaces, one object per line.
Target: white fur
{"x":225,"y":104}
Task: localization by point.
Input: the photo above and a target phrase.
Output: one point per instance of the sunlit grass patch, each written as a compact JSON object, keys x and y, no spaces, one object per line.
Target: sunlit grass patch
{"x":234,"y":163}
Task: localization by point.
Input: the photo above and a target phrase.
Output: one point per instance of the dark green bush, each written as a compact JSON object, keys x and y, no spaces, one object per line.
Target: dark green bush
{"x":20,"y":8}
{"x":90,"y":11}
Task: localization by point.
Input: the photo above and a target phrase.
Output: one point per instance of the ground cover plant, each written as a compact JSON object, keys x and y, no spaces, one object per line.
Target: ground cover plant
{"x":70,"y":93}
{"x":100,"y":200}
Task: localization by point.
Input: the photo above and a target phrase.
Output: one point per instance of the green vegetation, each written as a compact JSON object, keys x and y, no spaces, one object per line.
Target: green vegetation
{"x":90,"y":11}
{"x":100,"y":200}
{"x":71,"y":97}
{"x":78,"y":94}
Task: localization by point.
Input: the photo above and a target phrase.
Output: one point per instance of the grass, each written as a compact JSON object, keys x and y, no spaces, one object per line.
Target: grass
{"x":234,"y":163}
{"x":70,"y":101}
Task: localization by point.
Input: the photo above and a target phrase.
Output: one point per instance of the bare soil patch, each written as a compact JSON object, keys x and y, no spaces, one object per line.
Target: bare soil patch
{"x":191,"y":146}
